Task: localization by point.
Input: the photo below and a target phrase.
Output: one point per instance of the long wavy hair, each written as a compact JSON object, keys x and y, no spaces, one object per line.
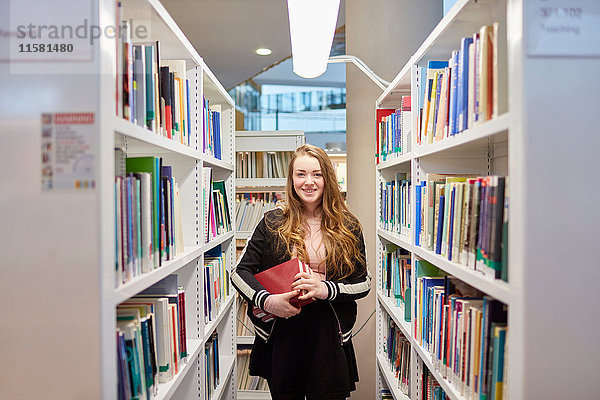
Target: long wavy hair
{"x":337,"y":222}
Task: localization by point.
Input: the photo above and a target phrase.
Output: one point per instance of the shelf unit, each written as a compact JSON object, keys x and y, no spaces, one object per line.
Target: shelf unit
{"x":67,"y":315}
{"x":525,"y":142}
{"x":262,"y":141}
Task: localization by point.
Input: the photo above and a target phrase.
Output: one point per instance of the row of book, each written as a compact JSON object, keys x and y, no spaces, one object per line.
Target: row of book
{"x":262,"y":164}
{"x":152,"y":92}
{"x":217,"y":218}
{"x":465,"y":218}
{"x":244,"y":379}
{"x":463,"y":330}
{"x":151,"y":339}
{"x":250,"y":208}
{"x":396,"y":348}
{"x":395,"y":210}
{"x":155,"y":93}
{"x":460,"y":92}
{"x":430,"y":387}
{"x":244,"y":325}
{"x":394,"y":129}
{"x":395,"y":276}
{"x":211,"y":358}
{"x":211,"y":129}
{"x":216,"y":282}
{"x":148,"y":223}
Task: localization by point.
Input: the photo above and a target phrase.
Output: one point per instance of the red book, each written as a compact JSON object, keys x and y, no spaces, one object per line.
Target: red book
{"x":279,"y":279}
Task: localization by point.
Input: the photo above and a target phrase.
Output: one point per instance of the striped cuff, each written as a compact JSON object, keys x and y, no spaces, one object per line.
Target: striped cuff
{"x":332,"y":290}
{"x":260,"y":297}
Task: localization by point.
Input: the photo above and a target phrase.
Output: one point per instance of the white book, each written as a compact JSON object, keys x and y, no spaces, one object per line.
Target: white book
{"x":147,"y":255}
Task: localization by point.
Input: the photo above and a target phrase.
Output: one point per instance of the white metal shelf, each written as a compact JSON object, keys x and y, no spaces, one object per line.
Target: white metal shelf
{"x":222,"y":312}
{"x":392,"y":96}
{"x":133,"y":287}
{"x":226,"y":365}
{"x":426,"y":358}
{"x":166,"y":390}
{"x":397,"y":313}
{"x":391,"y":380}
{"x":162,"y":27}
{"x":245,"y":340}
{"x":243,"y":234}
{"x":463,"y":19}
{"x":475,"y":138}
{"x":144,"y":141}
{"x":496,"y":288}
{"x":396,"y":161}
{"x":215,"y":162}
{"x":263,"y":183}
{"x":217,"y":241}
{"x":253,"y":395}
{"x":398,"y":317}
{"x":214,"y":90}
{"x":399,"y":240}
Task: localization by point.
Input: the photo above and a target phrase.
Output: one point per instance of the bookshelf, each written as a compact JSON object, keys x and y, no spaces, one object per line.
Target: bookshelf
{"x":67,"y":283}
{"x":516,"y":143}
{"x":260,"y":141}
{"x":263,"y":141}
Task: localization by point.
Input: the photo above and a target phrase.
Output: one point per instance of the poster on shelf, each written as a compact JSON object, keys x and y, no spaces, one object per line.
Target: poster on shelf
{"x":563,"y":28}
{"x":68,"y":151}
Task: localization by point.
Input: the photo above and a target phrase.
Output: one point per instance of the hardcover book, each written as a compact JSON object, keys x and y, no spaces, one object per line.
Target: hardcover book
{"x":279,"y":279}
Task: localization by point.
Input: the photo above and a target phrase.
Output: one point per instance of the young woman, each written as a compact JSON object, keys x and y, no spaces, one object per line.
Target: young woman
{"x":308,"y":351}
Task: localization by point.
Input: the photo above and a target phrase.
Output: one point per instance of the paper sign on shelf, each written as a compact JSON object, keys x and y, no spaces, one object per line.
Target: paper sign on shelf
{"x":68,"y":151}
{"x":568,"y":28}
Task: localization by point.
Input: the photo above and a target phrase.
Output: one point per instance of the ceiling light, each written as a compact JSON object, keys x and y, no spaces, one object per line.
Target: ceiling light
{"x":263,"y":52}
{"x":312,"y":25}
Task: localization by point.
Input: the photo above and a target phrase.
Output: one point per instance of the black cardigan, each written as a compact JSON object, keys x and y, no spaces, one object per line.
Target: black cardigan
{"x":265,"y":250}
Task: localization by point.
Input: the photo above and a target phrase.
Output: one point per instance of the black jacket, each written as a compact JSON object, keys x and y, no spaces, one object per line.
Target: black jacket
{"x":265,"y":250}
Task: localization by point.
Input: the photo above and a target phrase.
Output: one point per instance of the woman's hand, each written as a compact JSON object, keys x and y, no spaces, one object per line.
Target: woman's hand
{"x":279,"y":304}
{"x":312,"y":284}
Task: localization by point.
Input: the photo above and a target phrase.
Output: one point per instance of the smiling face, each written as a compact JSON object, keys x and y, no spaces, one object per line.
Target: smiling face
{"x":308,"y":181}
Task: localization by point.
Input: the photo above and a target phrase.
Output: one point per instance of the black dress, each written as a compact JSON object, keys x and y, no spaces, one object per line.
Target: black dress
{"x":305,"y":355}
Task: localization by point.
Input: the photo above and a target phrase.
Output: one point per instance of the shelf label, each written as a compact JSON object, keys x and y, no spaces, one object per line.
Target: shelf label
{"x":68,"y":151}
{"x":568,"y":28}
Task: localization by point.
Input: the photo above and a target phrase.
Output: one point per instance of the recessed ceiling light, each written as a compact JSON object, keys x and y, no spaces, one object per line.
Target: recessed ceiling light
{"x":263,"y":52}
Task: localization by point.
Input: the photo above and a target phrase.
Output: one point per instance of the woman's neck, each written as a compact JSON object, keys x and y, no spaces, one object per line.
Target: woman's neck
{"x":313,"y":214}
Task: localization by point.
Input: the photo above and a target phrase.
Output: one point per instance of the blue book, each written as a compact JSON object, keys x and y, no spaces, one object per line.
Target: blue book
{"x":499,"y":333}
{"x":189,"y":125}
{"x":452,"y":117}
{"x":149,"y":72}
{"x":428,"y":283}
{"x":438,"y":91}
{"x":418,"y":215}
{"x":463,"y":84}
{"x":451,"y":222}
{"x":438,"y":240}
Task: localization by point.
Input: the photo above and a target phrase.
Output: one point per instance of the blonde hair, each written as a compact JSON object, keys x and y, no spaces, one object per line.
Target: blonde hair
{"x":337,"y":222}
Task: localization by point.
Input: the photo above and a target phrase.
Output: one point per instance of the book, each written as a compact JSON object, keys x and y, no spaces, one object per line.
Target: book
{"x":433,"y":67}
{"x":150,"y":165}
{"x":463,"y":83}
{"x":279,"y":279}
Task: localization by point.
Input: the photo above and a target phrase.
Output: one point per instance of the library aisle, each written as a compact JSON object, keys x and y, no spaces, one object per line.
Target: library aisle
{"x":127,"y":194}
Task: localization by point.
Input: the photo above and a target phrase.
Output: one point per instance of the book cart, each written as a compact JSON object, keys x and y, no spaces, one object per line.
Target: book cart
{"x":544,"y":98}
{"x":259,"y":141}
{"x":59,"y":334}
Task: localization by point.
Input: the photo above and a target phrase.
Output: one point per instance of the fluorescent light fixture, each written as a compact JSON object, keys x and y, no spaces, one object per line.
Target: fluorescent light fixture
{"x":263,"y":52}
{"x":312,"y":25}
